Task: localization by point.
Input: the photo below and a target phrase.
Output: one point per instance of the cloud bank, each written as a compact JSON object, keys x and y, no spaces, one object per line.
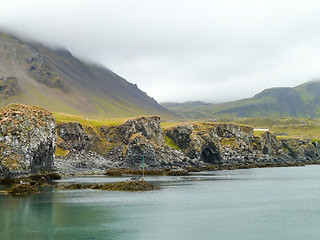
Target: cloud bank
{"x":213,"y":51}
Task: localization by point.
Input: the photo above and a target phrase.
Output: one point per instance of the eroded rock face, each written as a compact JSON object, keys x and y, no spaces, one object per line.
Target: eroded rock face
{"x":149,"y":127}
{"x":201,"y":144}
{"x":41,"y":70}
{"x":216,"y":143}
{"x":142,"y":138}
{"x":27,"y":140}
{"x":75,"y":137}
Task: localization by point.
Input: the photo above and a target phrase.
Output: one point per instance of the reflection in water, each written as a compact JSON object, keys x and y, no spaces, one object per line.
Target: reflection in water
{"x":259,"y":204}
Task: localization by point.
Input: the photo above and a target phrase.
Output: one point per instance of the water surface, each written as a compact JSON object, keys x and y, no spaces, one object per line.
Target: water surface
{"x":257,"y":204}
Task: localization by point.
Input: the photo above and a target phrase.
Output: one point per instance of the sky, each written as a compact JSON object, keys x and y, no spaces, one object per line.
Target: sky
{"x":188,"y":50}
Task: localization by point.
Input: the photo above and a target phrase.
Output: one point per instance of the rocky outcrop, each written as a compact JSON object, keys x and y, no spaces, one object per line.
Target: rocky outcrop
{"x":149,"y":127}
{"x":8,"y":87}
{"x":75,"y":137}
{"x":27,"y":140}
{"x":41,"y":70}
{"x":217,"y":143}
{"x":142,"y":139}
{"x":125,"y":145}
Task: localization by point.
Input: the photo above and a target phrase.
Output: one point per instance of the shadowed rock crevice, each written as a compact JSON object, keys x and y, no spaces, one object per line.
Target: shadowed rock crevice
{"x":43,"y":158}
{"x":210,"y":154}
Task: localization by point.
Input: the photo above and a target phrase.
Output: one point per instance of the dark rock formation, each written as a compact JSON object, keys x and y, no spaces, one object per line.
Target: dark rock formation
{"x":216,"y":143}
{"x":202,"y":144}
{"x":149,"y":127}
{"x":27,"y":140}
{"x":132,"y":185}
{"x":75,"y":137}
{"x":125,"y":145}
{"x":41,"y":70}
{"x":8,"y":87}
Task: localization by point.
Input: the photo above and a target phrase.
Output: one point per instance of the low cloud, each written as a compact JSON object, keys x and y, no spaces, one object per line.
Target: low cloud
{"x":174,"y":50}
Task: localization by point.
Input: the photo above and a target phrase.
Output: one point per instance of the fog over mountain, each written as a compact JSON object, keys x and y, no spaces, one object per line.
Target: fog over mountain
{"x":33,"y":74}
{"x":212,"y":51}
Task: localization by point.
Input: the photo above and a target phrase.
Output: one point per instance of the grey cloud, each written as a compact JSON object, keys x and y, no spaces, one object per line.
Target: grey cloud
{"x":183,"y":50}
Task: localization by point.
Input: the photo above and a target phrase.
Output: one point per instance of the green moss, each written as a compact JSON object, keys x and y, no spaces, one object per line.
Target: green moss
{"x":258,"y":133}
{"x":61,"y":152}
{"x":228,"y":141}
{"x":171,"y":143}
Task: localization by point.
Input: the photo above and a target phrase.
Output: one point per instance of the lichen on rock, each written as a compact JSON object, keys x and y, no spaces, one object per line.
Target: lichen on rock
{"x":27,"y":140}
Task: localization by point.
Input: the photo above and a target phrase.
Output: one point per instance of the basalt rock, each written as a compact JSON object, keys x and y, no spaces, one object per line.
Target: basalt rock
{"x":216,"y":143}
{"x":141,"y":141}
{"x":40,"y":69}
{"x":149,"y":127}
{"x":27,"y":140}
{"x":75,"y":137}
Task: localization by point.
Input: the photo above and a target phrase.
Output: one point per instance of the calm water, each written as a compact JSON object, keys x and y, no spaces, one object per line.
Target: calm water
{"x":271,"y":203}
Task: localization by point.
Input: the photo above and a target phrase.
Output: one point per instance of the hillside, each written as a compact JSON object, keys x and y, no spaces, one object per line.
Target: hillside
{"x":33,"y":74}
{"x":300,"y":101}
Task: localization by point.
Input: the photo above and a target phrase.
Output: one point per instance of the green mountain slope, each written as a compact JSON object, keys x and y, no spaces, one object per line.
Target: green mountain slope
{"x":33,"y":74}
{"x":300,"y":101}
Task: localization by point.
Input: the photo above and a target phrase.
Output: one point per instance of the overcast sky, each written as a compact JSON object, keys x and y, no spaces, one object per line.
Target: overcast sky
{"x":212,"y":51}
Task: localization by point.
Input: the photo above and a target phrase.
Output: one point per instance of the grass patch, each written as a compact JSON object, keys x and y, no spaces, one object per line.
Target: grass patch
{"x":94,"y":123}
{"x":228,"y":141}
{"x":171,"y":143}
{"x":61,"y":152}
{"x":258,"y":133}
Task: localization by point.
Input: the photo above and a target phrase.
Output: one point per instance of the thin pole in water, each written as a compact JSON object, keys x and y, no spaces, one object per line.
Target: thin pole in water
{"x":143,"y":166}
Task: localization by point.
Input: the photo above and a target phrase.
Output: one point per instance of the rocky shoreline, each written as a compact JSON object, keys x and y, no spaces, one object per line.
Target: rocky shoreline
{"x":200,"y":145}
{"x":32,"y":142}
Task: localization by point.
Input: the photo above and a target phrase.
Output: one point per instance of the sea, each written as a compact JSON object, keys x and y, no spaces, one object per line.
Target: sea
{"x":246,"y":204}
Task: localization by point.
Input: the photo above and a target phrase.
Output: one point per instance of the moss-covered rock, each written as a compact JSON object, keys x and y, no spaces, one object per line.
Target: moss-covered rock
{"x":133,"y":185}
{"x":22,"y":189}
{"x":27,"y":140}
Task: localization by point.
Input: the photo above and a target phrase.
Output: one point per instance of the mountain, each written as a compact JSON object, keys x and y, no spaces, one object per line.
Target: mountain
{"x":33,"y":74}
{"x":300,"y":101}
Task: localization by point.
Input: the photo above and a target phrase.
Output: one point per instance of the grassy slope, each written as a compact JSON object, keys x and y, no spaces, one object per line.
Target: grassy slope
{"x":94,"y":123}
{"x":301,"y":101}
{"x":95,"y":91}
{"x":294,"y":127}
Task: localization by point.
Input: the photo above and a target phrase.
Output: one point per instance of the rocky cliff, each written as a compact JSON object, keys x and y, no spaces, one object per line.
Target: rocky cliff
{"x":216,"y":143}
{"x":125,"y":145}
{"x":27,"y":140}
{"x":199,"y":144}
{"x":29,"y":137}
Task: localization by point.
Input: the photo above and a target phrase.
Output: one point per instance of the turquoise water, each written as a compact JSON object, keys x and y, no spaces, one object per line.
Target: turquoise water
{"x":270,"y":203}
